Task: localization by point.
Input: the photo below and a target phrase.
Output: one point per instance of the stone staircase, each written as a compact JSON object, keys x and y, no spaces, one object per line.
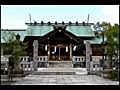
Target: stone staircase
{"x":60,"y":68}
{"x":61,"y":71}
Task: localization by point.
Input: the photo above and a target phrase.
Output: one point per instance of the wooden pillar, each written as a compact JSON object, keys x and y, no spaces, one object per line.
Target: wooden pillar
{"x":48,"y":51}
{"x":59,"y":53}
{"x":70,"y":51}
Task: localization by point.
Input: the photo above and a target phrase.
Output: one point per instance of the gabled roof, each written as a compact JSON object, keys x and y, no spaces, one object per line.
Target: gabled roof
{"x":38,"y":30}
{"x":82,"y":31}
{"x":65,"y":32}
{"x":43,"y":30}
{"x":77,"y":30}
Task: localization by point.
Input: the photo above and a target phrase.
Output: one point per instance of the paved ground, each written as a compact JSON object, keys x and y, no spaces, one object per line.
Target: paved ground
{"x":64,"y":80}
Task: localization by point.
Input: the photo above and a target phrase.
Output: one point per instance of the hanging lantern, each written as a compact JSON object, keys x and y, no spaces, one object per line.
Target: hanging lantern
{"x":74,"y":48}
{"x":45,"y":47}
{"x":55,"y":49}
{"x":66,"y":49}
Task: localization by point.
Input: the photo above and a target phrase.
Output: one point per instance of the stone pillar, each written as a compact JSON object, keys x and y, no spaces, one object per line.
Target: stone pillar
{"x":70,"y":51}
{"x":96,"y":67}
{"x":88,"y":53}
{"x":27,"y":66}
{"x":23,"y":67}
{"x":35,"y":54}
{"x":91,"y":66}
{"x":1,"y":51}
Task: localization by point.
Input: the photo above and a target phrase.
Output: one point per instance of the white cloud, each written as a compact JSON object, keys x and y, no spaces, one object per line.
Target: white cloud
{"x":111,"y":13}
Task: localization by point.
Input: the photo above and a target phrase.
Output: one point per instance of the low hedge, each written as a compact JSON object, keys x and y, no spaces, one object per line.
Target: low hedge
{"x":114,"y":75}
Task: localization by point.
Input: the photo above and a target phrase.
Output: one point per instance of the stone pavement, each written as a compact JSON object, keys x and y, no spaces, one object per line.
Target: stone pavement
{"x":64,"y":80}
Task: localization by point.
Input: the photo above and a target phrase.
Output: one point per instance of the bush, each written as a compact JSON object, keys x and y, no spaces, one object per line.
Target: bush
{"x":113,"y":75}
{"x":18,"y":72}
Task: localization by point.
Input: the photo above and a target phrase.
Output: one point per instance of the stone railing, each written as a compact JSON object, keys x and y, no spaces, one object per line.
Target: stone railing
{"x":42,"y":59}
{"x":78,"y":61}
{"x":4,"y":58}
{"x":4,"y":62}
{"x":96,"y":63}
{"x":78,"y":58}
{"x":26,"y":64}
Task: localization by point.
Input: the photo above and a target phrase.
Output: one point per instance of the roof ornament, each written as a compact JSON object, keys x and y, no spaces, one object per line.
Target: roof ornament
{"x":49,"y":23}
{"x":55,"y":22}
{"x":83,"y":23}
{"x":35,"y":22}
{"x":17,"y":37}
{"x":42,"y":22}
{"x":76,"y":23}
{"x":70,"y":22}
{"x":63,"y":22}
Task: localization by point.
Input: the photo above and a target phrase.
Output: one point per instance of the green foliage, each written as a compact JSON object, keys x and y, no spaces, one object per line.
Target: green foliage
{"x":16,"y":48}
{"x":113,"y":75}
{"x":112,"y":39}
{"x":112,"y":35}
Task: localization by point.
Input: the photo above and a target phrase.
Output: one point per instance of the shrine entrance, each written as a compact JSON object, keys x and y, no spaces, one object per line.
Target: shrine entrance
{"x":60,"y":52}
{"x":59,"y":44}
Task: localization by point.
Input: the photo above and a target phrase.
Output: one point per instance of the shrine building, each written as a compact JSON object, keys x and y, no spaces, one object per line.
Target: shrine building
{"x":61,"y":42}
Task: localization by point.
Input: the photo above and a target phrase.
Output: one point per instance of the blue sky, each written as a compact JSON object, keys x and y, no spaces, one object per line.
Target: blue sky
{"x":15,"y":16}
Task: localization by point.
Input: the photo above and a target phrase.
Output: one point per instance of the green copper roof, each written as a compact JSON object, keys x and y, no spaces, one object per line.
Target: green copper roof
{"x":21,"y":33}
{"x":81,"y":30}
{"x":38,"y":30}
{"x":96,"y":40}
{"x":76,"y":30}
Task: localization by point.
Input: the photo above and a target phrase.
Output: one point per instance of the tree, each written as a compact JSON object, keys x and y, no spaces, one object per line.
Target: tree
{"x":112,"y":42}
{"x":16,"y":47}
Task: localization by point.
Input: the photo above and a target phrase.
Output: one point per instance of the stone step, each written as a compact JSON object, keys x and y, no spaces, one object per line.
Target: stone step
{"x":60,"y":71}
{"x":58,"y":64}
{"x":53,"y":73}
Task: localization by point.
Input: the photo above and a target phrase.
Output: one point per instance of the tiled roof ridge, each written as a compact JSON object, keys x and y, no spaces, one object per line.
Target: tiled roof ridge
{"x":50,"y":24}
